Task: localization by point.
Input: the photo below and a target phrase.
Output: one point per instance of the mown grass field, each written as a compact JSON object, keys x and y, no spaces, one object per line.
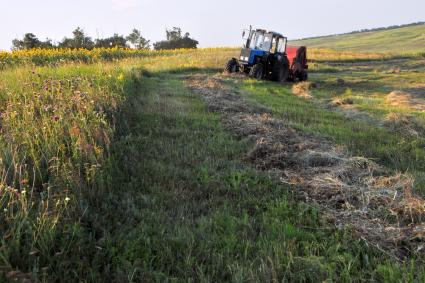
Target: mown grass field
{"x":116,"y":171}
{"x":365,"y":125}
{"x":400,"y":40}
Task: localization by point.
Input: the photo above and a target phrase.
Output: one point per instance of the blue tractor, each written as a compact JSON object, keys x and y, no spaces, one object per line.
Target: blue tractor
{"x":266,"y":55}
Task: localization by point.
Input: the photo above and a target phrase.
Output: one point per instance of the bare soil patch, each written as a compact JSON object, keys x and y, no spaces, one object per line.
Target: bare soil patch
{"x":351,"y":192}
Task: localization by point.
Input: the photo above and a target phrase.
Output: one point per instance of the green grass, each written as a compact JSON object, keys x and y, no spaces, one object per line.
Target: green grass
{"x":187,"y":209}
{"x":368,"y":85}
{"x":57,"y":128}
{"x":117,"y":172}
{"x":55,"y":138}
{"x":394,"y":151}
{"x":401,"y":40}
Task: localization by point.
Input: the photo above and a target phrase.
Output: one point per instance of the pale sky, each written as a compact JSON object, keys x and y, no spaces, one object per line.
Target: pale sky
{"x":212,"y":23}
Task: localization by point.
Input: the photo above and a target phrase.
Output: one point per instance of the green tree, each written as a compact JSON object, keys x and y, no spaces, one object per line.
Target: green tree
{"x":176,"y":40}
{"x":80,"y":40}
{"x":137,"y":40}
{"x":110,"y":42}
{"x":174,"y":34}
{"x":47,"y":44}
{"x":31,"y":41}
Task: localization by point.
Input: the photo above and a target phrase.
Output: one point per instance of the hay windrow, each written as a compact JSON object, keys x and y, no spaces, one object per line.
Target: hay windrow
{"x":404,"y":124}
{"x":405,"y":100}
{"x":351,"y":192}
{"x":302,"y":89}
{"x":337,"y":101}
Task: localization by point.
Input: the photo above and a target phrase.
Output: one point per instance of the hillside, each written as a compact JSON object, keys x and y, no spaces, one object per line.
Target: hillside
{"x":404,"y":39}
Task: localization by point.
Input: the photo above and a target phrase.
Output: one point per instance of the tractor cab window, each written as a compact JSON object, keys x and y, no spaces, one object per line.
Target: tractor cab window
{"x":281,"y":45}
{"x":267,"y":42}
{"x":257,"y":41}
{"x":253,"y":40}
{"x":274,"y":43}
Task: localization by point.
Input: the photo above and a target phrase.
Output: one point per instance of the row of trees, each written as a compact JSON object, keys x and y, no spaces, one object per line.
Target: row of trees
{"x":175,"y":39}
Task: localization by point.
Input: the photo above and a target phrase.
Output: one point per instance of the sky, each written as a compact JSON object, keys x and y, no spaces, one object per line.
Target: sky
{"x":213,"y":23}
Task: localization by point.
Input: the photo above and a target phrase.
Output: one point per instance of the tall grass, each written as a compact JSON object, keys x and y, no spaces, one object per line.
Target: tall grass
{"x":57,"y":124}
{"x":40,"y":57}
{"x":55,"y":137}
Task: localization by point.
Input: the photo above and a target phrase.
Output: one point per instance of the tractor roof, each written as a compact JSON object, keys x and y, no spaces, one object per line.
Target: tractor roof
{"x":275,"y":34}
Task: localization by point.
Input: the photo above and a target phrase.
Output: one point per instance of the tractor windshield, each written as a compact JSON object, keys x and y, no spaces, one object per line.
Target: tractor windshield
{"x":260,"y":41}
{"x":257,"y":40}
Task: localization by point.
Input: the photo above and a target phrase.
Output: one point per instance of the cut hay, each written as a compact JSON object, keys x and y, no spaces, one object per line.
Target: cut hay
{"x":406,"y":100}
{"x":351,"y":192}
{"x":395,"y":70}
{"x":404,"y":124}
{"x":303,"y":89}
{"x":337,"y":101}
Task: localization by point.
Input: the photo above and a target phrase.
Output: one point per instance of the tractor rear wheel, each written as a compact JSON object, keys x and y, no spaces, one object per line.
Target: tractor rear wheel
{"x":280,"y":73}
{"x":231,"y":66}
{"x":257,"y":71}
{"x":303,"y":76}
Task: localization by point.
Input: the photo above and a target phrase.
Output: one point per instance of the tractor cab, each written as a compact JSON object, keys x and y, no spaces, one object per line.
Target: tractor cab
{"x":261,"y":43}
{"x":265,"y":54}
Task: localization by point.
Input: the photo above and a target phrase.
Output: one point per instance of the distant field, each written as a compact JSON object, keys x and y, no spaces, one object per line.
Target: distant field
{"x":401,"y":40}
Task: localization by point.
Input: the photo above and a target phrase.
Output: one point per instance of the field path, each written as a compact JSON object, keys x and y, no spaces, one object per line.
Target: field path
{"x":185,"y":207}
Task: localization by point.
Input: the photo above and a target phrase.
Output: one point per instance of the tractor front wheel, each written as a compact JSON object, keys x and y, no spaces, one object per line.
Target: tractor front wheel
{"x":257,"y":71}
{"x":245,"y":69}
{"x":231,"y":66}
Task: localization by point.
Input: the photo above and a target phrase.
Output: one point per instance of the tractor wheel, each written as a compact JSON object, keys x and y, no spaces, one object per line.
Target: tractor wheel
{"x":280,"y":73}
{"x":257,"y":71}
{"x":245,"y":69}
{"x":232,"y":66}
